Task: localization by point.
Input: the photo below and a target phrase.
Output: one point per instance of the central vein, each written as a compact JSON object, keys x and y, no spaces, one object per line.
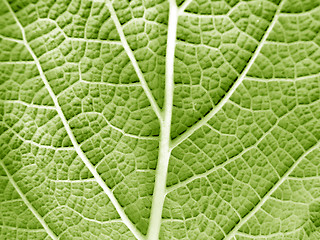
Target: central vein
{"x":159,"y":191}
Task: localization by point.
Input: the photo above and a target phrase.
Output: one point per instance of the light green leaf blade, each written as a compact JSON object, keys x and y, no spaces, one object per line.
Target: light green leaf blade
{"x":160,"y":119}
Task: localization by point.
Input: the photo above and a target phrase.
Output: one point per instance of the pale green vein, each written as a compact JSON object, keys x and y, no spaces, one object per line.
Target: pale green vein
{"x":304,"y":13}
{"x":75,"y":181}
{"x":234,"y":231}
{"x":283,"y":201}
{"x":133,"y":60}
{"x":91,"y":219}
{"x":19,"y":62}
{"x":28,"y":204}
{"x":79,"y":151}
{"x":301,"y":179}
{"x":11,"y":39}
{"x":30,"y":105}
{"x":151,"y":138}
{"x":159,"y":191}
{"x":38,"y":144}
{"x":294,"y":79}
{"x":184,"y":5}
{"x":273,"y":235}
{"x":127,"y":85}
{"x":237,"y":83}
{"x":23,"y":229}
{"x":100,"y":41}
{"x":222,"y":165}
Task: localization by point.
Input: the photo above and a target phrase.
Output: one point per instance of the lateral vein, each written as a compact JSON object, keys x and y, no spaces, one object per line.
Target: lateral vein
{"x":270,"y":192}
{"x":79,"y":151}
{"x":229,"y":160}
{"x":29,"y":205}
{"x":184,"y":5}
{"x":237,"y":83}
{"x":133,"y":60}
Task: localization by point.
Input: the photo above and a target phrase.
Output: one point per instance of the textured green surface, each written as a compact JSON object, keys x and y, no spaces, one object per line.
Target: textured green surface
{"x":85,"y":119}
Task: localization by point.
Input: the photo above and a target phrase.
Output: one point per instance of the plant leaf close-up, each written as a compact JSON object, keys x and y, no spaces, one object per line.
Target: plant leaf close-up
{"x":160,"y":119}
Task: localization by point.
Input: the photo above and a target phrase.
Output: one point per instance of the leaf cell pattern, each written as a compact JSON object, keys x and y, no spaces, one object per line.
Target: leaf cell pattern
{"x":160,"y":119}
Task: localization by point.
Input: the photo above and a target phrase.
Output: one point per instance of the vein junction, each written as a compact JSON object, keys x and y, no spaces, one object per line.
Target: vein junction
{"x":165,"y":125}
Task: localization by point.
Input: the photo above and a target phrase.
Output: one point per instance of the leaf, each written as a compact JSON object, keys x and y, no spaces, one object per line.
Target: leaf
{"x":158,"y":119}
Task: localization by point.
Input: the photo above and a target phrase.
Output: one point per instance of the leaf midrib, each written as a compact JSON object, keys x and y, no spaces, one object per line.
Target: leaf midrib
{"x":159,"y":192}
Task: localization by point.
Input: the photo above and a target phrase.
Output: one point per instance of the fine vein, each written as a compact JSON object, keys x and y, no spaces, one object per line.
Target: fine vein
{"x":28,"y":204}
{"x":237,"y":83}
{"x":79,"y":151}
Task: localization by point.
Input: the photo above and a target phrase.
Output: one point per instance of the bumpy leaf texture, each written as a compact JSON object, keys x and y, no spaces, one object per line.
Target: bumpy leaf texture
{"x":160,"y":119}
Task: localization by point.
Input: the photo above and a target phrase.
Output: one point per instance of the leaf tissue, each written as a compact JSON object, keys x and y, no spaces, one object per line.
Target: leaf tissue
{"x":160,"y":119}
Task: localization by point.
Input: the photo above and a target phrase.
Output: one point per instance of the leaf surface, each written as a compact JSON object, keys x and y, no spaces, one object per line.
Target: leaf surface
{"x":160,"y":119}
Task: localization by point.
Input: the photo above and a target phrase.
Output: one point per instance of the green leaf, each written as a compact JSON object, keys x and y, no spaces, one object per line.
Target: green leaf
{"x":160,"y":119}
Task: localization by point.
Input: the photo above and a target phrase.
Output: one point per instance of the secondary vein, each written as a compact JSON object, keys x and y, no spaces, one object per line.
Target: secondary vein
{"x":28,"y":204}
{"x":133,"y":60}
{"x":77,"y":147}
{"x":234,"y":87}
{"x":270,"y":192}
